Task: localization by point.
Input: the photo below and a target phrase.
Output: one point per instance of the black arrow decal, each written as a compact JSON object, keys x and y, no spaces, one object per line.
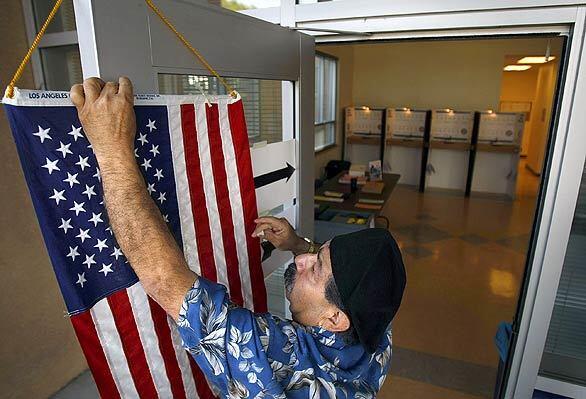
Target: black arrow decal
{"x":276,"y":175}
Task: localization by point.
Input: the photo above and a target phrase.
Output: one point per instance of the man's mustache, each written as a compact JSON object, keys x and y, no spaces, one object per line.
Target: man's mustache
{"x":290,"y":275}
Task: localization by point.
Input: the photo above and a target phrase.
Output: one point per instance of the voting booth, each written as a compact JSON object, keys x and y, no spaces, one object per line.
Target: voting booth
{"x":449,"y":149}
{"x":363,"y":132}
{"x":497,"y":153}
{"x":405,"y":132}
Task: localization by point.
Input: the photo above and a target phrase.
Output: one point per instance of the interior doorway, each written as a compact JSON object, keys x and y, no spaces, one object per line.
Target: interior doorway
{"x":465,"y":254}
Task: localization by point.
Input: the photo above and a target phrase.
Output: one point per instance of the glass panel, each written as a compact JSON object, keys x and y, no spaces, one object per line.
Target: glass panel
{"x":261,"y":98}
{"x":325,"y":135}
{"x":318,"y":88}
{"x":63,"y":21}
{"x":329,"y":90}
{"x":61,"y":67}
{"x":320,"y":137}
{"x":564,"y":355}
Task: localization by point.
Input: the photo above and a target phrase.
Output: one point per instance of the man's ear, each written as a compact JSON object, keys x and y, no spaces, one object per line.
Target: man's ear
{"x":337,"y":322}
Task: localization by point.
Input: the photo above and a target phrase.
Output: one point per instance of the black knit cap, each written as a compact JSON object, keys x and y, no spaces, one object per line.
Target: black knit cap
{"x":370,"y":276}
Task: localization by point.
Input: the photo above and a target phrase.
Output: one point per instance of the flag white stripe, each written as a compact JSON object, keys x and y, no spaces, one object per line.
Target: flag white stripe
{"x":236,"y":204}
{"x":210,"y":193}
{"x":182,"y":188}
{"x":112,"y":346}
{"x":183,"y":360}
{"x":149,"y":339}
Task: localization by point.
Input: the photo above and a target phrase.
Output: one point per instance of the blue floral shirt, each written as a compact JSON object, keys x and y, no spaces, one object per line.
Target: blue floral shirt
{"x":248,"y":355}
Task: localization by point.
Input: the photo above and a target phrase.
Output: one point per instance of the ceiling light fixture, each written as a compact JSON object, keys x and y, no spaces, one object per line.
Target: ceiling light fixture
{"x":535,"y":60}
{"x":509,"y":68}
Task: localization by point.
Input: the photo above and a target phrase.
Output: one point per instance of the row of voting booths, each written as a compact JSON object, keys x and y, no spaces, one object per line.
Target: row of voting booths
{"x":465,"y":151}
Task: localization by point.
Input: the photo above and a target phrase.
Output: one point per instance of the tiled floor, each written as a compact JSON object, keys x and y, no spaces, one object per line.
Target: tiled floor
{"x":464,"y":260}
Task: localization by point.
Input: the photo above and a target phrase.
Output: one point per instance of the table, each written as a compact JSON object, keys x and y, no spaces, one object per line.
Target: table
{"x":390,"y":180}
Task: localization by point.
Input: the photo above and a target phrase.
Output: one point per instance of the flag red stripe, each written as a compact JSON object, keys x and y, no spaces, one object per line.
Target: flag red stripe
{"x":198,"y":201}
{"x":201,"y":384}
{"x":224,"y":205}
{"x":87,"y":336}
{"x":167,"y":350}
{"x":246,"y":180}
{"x":131,"y":344}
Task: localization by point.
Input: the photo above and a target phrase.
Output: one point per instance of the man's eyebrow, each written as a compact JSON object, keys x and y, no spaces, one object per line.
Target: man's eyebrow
{"x":319,"y":257}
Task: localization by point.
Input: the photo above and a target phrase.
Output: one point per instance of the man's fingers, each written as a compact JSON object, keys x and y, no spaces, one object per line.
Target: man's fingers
{"x":77,"y":96}
{"x":125,"y":87}
{"x":259,"y":230}
{"x":272,"y":237}
{"x":92,"y":88}
{"x":110,"y":88}
{"x":266,"y":219}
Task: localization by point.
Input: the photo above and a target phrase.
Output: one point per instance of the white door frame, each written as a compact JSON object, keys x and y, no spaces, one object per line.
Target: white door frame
{"x":381,"y":19}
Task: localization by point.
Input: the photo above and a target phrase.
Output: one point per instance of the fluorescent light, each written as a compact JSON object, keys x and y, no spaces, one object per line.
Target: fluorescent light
{"x":516,"y":67}
{"x":535,"y":60}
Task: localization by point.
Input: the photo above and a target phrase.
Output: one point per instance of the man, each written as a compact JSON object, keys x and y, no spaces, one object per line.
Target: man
{"x":343,"y":297}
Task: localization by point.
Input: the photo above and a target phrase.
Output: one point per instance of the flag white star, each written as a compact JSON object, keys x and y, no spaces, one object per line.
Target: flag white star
{"x":81,"y":279}
{"x":51,"y":165}
{"x":58,"y":196}
{"x":73,"y":253}
{"x":97,"y":175}
{"x":146,"y":164}
{"x":117,"y":253}
{"x":151,"y":187}
{"x":83,"y":163}
{"x":106,"y":269}
{"x":77,"y":208}
{"x":64,"y":149}
{"x":136,"y":153}
{"x":142,"y":138}
{"x":109,"y":230}
{"x":166,"y":218}
{"x":151,"y":125}
{"x":89,"y":261}
{"x":101,"y":244}
{"x":89,"y":191}
{"x":155,"y":150}
{"x":71,"y":179}
{"x":96,"y":218}
{"x":162,"y":197}
{"x":83,"y":235}
{"x":75,"y":132}
{"x":65,"y":225}
{"x":43,"y":134}
{"x":159,"y":174}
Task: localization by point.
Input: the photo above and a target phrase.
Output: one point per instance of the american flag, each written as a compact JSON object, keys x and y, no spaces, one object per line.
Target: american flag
{"x":195,"y":159}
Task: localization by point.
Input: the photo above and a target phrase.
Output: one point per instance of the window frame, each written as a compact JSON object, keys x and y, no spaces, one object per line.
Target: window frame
{"x":54,"y":39}
{"x":332,"y":122}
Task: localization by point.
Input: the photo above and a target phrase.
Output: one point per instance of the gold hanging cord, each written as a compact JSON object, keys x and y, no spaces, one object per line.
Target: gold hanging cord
{"x":10,"y":89}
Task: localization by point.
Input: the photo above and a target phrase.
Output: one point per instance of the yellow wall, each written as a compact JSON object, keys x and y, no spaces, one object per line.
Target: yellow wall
{"x":38,"y":349}
{"x":345,"y":98}
{"x":459,"y":74}
{"x":520,"y":86}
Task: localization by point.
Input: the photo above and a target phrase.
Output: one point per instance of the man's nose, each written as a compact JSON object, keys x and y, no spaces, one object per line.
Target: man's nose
{"x":304,"y":262}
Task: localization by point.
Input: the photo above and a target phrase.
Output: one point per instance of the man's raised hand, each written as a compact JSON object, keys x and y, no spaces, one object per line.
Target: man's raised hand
{"x":280,"y":233}
{"x":107,"y":115}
